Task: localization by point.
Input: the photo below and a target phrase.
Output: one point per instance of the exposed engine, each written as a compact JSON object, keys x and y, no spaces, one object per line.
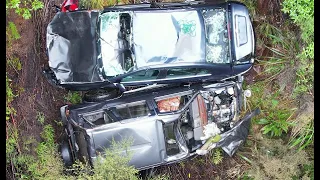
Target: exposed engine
{"x":211,"y":113}
{"x":222,"y":107}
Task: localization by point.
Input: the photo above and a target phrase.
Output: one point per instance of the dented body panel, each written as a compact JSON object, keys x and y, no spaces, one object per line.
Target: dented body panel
{"x":140,"y":45}
{"x":163,"y":135}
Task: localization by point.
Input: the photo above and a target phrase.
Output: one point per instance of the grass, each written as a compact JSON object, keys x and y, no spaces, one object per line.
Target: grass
{"x":276,"y":110}
{"x":23,"y":7}
{"x":9,"y":98}
{"x":12,"y":33}
{"x":99,"y":4}
{"x":73,"y":97}
{"x":40,"y":117}
{"x":302,"y":14}
{"x":216,"y":156}
{"x":288,"y":61}
{"x":274,"y":160}
{"x":47,"y":163}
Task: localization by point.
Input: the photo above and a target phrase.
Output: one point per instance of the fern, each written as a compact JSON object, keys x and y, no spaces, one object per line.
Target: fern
{"x":217,"y":156}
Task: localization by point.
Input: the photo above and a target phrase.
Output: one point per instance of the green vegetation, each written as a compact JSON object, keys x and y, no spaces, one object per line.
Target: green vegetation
{"x":302,"y":14}
{"x":273,"y":160}
{"x":73,"y":97}
{"x":47,"y":163}
{"x":24,"y":7}
{"x":283,"y":132}
{"x":302,"y":135}
{"x":12,"y":32}
{"x":113,"y":164}
{"x":9,"y":98}
{"x":40,"y":117}
{"x":99,"y":4}
{"x":216,"y":156}
{"x":275,"y":110}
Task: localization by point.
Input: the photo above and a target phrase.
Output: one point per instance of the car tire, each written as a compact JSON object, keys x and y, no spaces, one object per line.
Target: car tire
{"x":100,"y":95}
{"x":66,"y":153}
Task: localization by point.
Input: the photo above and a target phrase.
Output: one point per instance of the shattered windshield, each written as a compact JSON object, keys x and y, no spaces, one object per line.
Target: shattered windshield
{"x":135,"y":39}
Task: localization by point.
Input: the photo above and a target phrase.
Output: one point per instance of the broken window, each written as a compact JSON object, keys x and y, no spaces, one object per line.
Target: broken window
{"x":132,"y":110}
{"x":170,"y":139}
{"x":217,"y":49}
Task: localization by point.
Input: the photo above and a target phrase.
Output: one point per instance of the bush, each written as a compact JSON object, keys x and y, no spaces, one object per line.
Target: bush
{"x":112,"y":165}
{"x":302,"y":14}
{"x":9,"y":98}
{"x":24,"y":7}
{"x":99,"y":4}
{"x":73,"y":97}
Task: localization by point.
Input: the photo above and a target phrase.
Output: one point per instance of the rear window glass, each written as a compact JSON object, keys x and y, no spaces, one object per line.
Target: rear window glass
{"x":133,"y":110}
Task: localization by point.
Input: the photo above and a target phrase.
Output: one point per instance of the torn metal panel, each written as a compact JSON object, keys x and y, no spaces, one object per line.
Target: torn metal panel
{"x":232,"y":139}
{"x":71,"y":46}
{"x":147,"y":135}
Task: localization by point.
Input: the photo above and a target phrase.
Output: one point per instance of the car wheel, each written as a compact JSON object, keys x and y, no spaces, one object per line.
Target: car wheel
{"x":66,"y":153}
{"x":100,"y":95}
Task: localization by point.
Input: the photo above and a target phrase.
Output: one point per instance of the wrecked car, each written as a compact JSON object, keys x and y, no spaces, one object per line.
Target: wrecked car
{"x":143,"y":44}
{"x":167,"y":123}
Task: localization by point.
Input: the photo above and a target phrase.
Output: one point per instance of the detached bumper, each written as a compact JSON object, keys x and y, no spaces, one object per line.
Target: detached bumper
{"x":232,"y":139}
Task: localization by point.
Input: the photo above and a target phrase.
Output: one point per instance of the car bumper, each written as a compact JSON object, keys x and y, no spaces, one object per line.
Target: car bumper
{"x":231,"y":140}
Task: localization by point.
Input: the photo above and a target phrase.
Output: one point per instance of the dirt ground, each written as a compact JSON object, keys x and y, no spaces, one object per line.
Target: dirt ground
{"x":40,"y":96}
{"x":37,"y":96}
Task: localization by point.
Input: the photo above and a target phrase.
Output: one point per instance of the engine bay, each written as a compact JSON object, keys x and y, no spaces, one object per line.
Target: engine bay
{"x":213,"y":112}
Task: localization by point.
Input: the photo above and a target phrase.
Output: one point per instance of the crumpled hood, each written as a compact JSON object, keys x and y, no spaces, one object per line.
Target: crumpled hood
{"x":71,"y":46}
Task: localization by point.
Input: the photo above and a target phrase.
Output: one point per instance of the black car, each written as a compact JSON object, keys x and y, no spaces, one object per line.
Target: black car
{"x":143,"y":44}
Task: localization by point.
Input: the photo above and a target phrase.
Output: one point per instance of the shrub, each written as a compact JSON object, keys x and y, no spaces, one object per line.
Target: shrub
{"x":302,"y":14}
{"x":9,"y":98}
{"x":24,"y":7}
{"x":113,"y":164}
{"x":73,"y":97}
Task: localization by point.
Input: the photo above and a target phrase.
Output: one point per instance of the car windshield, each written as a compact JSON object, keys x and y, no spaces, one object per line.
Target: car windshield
{"x":135,"y":39}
